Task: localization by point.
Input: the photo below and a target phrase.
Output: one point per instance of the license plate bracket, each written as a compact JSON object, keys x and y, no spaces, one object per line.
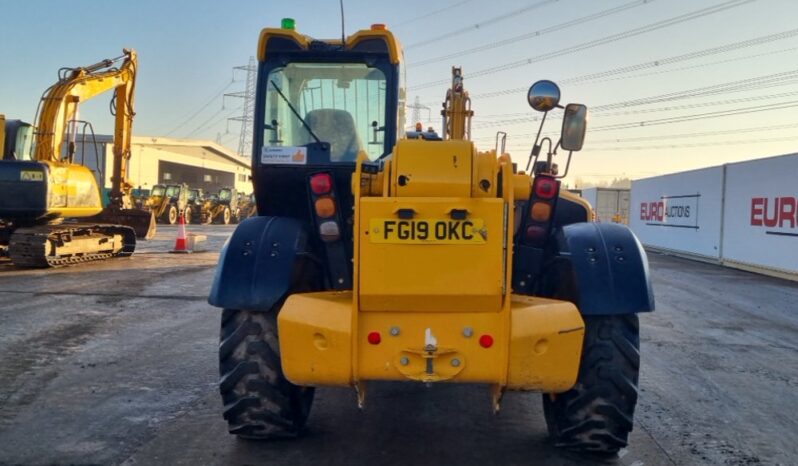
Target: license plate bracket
{"x":470,"y":231}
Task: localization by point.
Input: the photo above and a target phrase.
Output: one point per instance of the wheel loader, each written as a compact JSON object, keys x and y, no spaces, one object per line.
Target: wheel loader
{"x":384,"y":255}
{"x":51,"y":209}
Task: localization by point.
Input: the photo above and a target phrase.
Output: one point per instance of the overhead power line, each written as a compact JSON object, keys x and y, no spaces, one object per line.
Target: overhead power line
{"x":699,"y":116}
{"x":748,"y":84}
{"x":487,"y":22}
{"x":529,"y":35}
{"x":428,"y":14}
{"x":202,"y":107}
{"x":213,"y":121}
{"x":658,"y":63}
{"x":692,"y":117}
{"x":597,"y":42}
{"x":724,"y":142}
{"x":664,"y":137}
{"x":700,"y":134}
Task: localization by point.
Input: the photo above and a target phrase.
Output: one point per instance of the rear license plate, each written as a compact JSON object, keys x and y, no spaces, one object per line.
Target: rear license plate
{"x":427,"y":231}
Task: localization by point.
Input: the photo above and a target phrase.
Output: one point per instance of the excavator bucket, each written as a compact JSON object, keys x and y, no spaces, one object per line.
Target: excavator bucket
{"x":140,"y":220}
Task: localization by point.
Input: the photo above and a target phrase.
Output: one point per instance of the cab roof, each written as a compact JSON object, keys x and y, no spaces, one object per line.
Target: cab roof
{"x":375,"y":40}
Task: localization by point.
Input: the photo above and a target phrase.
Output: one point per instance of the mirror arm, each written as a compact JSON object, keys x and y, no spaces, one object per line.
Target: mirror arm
{"x":536,"y":147}
{"x":567,"y":165}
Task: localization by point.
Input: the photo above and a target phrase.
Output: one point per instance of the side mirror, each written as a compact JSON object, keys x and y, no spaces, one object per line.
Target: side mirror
{"x":574,"y":126}
{"x":543,"y":96}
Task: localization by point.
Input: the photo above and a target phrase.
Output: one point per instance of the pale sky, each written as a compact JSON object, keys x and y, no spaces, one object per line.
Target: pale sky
{"x":672,"y":84}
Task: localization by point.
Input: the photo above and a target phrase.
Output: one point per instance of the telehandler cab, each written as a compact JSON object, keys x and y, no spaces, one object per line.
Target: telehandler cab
{"x":167,"y":202}
{"x":195,"y":203}
{"x":378,"y":255}
{"x":222,"y":208}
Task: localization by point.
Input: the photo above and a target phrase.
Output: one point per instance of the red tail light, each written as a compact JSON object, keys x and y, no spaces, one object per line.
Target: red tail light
{"x":321,"y":183}
{"x":545,"y":187}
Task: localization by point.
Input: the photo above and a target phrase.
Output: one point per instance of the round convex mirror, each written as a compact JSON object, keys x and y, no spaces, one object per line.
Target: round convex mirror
{"x":543,"y":96}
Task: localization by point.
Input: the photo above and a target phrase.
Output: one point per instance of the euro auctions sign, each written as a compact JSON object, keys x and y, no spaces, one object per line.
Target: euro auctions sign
{"x":679,"y":211}
{"x":760,"y":219}
{"x":776,"y":215}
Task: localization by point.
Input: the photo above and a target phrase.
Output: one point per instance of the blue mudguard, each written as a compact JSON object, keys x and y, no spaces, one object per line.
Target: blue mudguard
{"x":258,"y":263}
{"x":605,"y":268}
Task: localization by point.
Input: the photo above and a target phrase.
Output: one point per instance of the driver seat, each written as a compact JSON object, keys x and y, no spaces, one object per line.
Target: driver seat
{"x":336,"y":127}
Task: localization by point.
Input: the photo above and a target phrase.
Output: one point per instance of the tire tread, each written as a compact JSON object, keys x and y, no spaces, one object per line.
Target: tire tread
{"x":597,"y":414}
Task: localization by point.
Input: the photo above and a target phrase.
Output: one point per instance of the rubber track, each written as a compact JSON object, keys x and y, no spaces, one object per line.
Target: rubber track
{"x":259,"y":403}
{"x":596,"y":416}
{"x":27,"y":247}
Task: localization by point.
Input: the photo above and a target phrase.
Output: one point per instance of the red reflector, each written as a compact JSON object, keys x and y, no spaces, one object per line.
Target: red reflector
{"x":321,"y":183}
{"x":535,"y":234}
{"x":486,"y":341}
{"x":545,"y":188}
{"x":374,"y":338}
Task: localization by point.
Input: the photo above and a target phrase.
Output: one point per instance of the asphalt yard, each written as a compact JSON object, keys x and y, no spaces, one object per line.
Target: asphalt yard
{"x":116,"y":363}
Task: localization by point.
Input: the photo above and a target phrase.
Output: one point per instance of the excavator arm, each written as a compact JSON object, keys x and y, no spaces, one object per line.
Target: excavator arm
{"x":59,"y":107}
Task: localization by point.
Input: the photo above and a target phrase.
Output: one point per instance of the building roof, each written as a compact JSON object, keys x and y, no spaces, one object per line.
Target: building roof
{"x":189,"y":147}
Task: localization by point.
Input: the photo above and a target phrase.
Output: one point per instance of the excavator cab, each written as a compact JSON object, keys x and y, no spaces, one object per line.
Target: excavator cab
{"x":16,"y":140}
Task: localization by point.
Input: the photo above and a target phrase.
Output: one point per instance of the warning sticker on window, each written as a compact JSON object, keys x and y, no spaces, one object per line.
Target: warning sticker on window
{"x":284,"y":155}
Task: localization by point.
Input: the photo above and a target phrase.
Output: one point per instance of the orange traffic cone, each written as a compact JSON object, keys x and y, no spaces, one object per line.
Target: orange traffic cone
{"x":181,"y":243}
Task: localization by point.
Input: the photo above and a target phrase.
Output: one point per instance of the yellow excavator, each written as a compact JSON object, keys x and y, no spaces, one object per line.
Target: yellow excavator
{"x":51,"y":211}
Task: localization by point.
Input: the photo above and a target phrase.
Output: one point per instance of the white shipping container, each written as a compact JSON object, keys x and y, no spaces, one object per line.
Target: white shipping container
{"x":680,"y":212}
{"x":609,"y":204}
{"x":760,"y":224}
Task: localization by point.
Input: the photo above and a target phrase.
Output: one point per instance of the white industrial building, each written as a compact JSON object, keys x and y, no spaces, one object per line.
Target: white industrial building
{"x":158,"y":160}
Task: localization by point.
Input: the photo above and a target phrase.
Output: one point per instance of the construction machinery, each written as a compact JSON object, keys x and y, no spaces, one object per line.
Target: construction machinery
{"x":222,"y":208}
{"x":246,"y":206}
{"x":383,"y":256}
{"x":195,"y":206}
{"x":167,"y":202}
{"x":51,"y":212}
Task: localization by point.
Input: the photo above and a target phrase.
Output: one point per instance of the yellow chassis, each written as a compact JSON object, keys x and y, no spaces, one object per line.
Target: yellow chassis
{"x":537,"y":344}
{"x":425,"y":313}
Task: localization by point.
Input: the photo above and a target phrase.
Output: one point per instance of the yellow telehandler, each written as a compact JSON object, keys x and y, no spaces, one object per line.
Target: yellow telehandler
{"x":416,"y":257}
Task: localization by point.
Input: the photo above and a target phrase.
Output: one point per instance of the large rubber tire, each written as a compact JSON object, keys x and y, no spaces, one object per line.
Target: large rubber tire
{"x":226,"y":216}
{"x":187,"y":214}
{"x":170,"y":216}
{"x":597,"y":415}
{"x":259,"y":403}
